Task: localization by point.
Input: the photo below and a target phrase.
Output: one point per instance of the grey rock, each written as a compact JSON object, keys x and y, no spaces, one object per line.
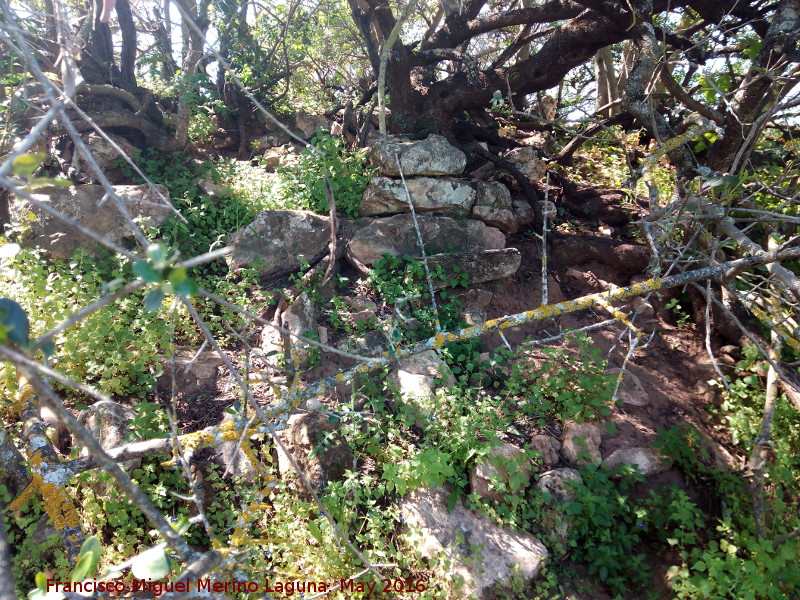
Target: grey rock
{"x":278,"y":237}
{"x":395,"y":236}
{"x":419,"y":376}
{"x":580,"y":443}
{"x":528,"y":162}
{"x":431,"y":156}
{"x":493,"y":206}
{"x":319,"y":450}
{"x":310,"y":124}
{"x":548,"y":448}
{"x":385,"y":196}
{"x":81,"y":203}
{"x":631,"y":391}
{"x":646,"y":461}
{"x":481,"y":554}
{"x":479,"y":267}
{"x":558,"y":483}
{"x":502,"y":462}
{"x":300,"y":319}
{"x":109,"y":423}
{"x":191,"y":372}
{"x":523,"y":213}
{"x":104,"y":154}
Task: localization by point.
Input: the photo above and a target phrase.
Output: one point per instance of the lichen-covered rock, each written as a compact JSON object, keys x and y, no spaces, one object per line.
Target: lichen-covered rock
{"x":319,"y":450}
{"x":503,"y":463}
{"x":395,"y":236}
{"x":82,"y":203}
{"x":417,"y":377}
{"x":580,"y":443}
{"x":481,"y":554}
{"x":385,"y":196}
{"x":276,"y":238}
{"x":493,"y":206}
{"x":109,"y":423}
{"x":431,"y":156}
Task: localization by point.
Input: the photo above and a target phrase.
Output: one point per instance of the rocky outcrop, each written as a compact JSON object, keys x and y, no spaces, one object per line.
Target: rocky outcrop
{"x":487,"y":558}
{"x":431,"y":156}
{"x":276,"y":238}
{"x":395,"y":236}
{"x":84,"y":204}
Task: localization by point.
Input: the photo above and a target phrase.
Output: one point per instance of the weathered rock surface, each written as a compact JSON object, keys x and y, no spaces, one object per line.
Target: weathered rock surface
{"x":385,"y":196}
{"x":278,"y":237}
{"x":420,"y":375}
{"x":528,"y":162}
{"x":371,"y":344}
{"x":81,"y":203}
{"x":479,"y":267}
{"x":104,"y":154}
{"x":580,"y":442}
{"x":646,"y":461}
{"x":321,"y":452}
{"x":191,"y":372}
{"x":493,"y":206}
{"x":301,"y":320}
{"x":232,"y":459}
{"x":431,"y":156}
{"x":558,"y":483}
{"x":631,"y":391}
{"x":109,"y":424}
{"x":548,"y":448}
{"x":482,"y":554}
{"x":395,"y":236}
{"x":500,"y":465}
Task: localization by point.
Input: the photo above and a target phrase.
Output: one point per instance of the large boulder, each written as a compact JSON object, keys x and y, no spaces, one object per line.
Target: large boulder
{"x":395,"y":236}
{"x":431,"y":156}
{"x":479,"y":267}
{"x":385,"y":196}
{"x":484,"y":556}
{"x":277,"y":237}
{"x":83,"y":204}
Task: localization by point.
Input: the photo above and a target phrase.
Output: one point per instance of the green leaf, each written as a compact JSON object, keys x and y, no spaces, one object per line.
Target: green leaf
{"x":88,"y":559}
{"x":153,"y":300}
{"x":25,"y":164}
{"x":15,"y":322}
{"x":314,"y":531}
{"x":158,"y":253}
{"x":152,"y":565}
{"x":144,"y":270}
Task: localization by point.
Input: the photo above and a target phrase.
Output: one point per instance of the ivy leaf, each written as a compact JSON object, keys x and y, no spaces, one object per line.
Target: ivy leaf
{"x":14,"y":323}
{"x":153,"y":300}
{"x":152,"y":565}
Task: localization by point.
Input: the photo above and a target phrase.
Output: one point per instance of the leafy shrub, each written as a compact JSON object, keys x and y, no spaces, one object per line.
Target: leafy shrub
{"x":304,"y":182}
